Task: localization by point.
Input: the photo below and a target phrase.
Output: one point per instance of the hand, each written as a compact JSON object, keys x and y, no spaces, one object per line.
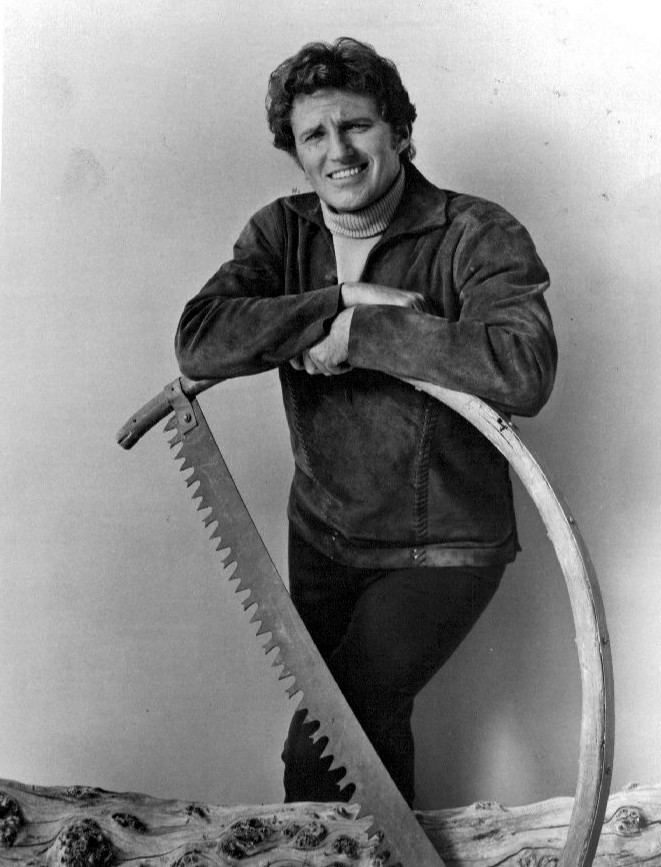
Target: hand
{"x":329,"y":356}
{"x":373,"y":293}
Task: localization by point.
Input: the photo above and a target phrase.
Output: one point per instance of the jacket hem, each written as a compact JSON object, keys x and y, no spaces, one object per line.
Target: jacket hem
{"x":336,"y":547}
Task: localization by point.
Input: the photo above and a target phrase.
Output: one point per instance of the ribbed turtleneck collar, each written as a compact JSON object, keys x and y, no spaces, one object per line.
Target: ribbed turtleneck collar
{"x":370,"y":221}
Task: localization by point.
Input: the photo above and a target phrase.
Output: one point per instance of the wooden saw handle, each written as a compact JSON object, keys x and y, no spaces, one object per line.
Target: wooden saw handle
{"x":158,"y":408}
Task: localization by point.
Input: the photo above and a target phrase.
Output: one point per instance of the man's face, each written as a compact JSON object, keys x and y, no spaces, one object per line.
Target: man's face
{"x":349,"y":155}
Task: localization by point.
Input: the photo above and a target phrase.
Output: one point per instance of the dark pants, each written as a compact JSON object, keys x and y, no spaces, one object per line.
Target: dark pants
{"x":383,"y":634}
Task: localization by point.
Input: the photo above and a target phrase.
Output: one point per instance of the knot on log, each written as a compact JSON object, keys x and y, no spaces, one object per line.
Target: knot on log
{"x":83,"y":793}
{"x":531,"y":858}
{"x":129,"y":821}
{"x":628,"y":821}
{"x":488,"y":805}
{"x":246,"y":836}
{"x":311,"y":835}
{"x":11,"y":820}
{"x":198,"y":811}
{"x":345,"y":845}
{"x":82,"y":844}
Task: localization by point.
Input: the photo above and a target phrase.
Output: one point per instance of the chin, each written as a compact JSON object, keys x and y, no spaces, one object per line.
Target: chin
{"x":350,"y":203}
{"x":343,"y":208}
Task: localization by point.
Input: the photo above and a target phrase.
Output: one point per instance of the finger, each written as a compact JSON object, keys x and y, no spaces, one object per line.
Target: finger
{"x":309,"y":364}
{"x":338,"y":369}
{"x":418,"y":302}
{"x":322,"y":368}
{"x":296,"y":363}
{"x":321,"y":361}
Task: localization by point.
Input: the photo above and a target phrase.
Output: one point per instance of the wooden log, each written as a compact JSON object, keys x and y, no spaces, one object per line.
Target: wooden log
{"x":487,"y":834}
{"x":87,"y":827}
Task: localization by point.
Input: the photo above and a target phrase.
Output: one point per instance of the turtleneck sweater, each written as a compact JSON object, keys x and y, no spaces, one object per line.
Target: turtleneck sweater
{"x":356,"y":232}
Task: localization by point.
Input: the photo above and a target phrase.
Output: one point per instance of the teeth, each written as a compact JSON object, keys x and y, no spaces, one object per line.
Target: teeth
{"x":346,"y":173}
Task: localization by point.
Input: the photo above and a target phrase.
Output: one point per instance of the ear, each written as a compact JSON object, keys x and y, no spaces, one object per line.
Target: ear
{"x":401,"y":139}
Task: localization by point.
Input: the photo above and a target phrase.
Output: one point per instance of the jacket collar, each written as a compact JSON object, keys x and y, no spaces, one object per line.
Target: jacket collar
{"x":423,"y":206}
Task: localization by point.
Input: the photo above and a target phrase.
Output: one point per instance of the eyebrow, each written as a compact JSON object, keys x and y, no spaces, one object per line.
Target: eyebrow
{"x":350,"y":121}
{"x":306,"y":132}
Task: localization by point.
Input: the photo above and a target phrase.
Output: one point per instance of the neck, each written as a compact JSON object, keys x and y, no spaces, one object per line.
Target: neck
{"x":367,"y":222}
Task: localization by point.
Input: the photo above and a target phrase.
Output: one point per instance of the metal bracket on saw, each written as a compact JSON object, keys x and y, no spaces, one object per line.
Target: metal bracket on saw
{"x":183,"y":408}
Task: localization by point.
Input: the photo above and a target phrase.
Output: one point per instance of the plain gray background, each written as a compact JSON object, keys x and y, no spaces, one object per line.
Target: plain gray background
{"x":135,"y":148}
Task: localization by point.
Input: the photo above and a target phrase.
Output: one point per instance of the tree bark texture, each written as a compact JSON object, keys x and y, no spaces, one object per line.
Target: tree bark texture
{"x":80,"y":826}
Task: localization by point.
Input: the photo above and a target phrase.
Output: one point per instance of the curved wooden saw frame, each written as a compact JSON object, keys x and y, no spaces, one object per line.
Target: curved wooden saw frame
{"x":597,"y":724}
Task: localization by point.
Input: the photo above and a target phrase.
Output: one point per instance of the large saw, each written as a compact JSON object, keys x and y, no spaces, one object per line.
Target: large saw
{"x":247,"y":562}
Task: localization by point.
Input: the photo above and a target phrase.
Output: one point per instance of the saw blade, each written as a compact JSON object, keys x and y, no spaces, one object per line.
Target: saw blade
{"x":247,"y":562}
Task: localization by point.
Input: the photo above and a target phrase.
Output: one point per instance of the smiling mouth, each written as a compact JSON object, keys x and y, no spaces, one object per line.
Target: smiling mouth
{"x":341,"y":174}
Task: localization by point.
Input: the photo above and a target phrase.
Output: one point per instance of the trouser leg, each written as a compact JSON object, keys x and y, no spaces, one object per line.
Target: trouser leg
{"x":324,"y":596}
{"x":384,"y":633}
{"x":405,"y":626}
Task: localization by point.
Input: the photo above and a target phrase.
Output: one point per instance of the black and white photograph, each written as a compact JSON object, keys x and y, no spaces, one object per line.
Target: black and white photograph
{"x":331,"y":521}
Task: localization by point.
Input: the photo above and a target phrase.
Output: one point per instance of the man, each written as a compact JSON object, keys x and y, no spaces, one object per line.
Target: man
{"x":401,"y":518}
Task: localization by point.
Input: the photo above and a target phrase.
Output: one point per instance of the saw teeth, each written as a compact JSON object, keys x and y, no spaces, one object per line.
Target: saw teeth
{"x":278,"y":659}
{"x":335,"y":767}
{"x":348,"y":785}
{"x":227,"y":572}
{"x":292,"y":690}
{"x":336,"y":764}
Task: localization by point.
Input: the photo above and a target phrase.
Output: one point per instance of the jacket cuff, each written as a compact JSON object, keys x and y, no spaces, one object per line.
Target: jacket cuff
{"x":366,"y":343}
{"x":322,"y":306}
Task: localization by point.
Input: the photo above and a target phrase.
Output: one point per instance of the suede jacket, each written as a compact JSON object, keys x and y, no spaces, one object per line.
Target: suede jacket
{"x":386,"y":476}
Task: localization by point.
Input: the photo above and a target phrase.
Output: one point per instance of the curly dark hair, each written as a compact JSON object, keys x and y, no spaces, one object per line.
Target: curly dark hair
{"x":346,"y":64}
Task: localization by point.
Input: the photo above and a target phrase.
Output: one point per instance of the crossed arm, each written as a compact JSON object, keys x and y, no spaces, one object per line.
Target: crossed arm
{"x":496,"y":339}
{"x":329,"y":357}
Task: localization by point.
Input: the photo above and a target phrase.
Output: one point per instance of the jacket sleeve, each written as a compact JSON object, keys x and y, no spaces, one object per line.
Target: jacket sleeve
{"x":501,"y":347}
{"x":241,"y":322}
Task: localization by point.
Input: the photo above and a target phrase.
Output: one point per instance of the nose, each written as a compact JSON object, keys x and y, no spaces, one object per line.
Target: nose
{"x":339,"y":146}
